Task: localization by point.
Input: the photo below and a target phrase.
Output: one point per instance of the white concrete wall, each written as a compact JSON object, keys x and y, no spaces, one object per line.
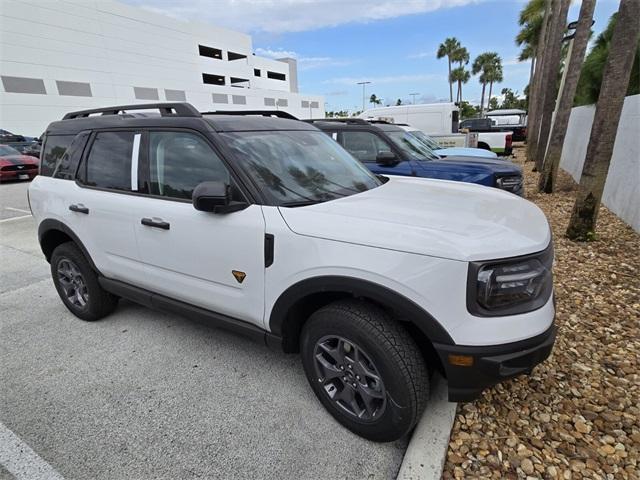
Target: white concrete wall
{"x":622,"y":190}
{"x":115,"y":47}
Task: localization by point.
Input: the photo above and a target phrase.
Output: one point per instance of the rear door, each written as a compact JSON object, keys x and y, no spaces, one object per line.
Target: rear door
{"x":214,"y":261}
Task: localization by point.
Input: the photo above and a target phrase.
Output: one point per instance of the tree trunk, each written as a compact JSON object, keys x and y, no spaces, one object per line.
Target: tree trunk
{"x":615,"y":81}
{"x":450,"y":83}
{"x":532,"y":67}
{"x":574,"y":63}
{"x":484,"y":85}
{"x":460,"y":87}
{"x":533,"y":125}
{"x":489,"y":99}
{"x":550,"y":82}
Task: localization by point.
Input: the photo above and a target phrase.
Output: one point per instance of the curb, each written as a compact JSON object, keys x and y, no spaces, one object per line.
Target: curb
{"x":427,"y":449}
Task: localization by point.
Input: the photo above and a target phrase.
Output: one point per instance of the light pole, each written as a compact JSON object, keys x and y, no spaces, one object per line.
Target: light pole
{"x":413,"y":97}
{"x":363,"y":95}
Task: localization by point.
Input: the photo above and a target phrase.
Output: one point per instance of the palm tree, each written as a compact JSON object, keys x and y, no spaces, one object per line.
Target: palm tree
{"x":462,"y":57}
{"x":531,"y":19}
{"x":447,"y":49}
{"x":563,"y":111}
{"x":615,"y":81}
{"x":459,"y":76}
{"x":549,"y":81}
{"x":493,"y":73}
{"x":480,"y":66}
{"x":374,"y":100}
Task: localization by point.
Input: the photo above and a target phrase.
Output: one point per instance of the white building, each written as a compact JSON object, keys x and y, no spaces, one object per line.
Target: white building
{"x":64,"y":55}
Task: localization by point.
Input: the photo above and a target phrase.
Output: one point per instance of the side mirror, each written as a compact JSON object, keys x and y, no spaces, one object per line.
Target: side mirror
{"x":215,"y":197}
{"x":386,"y":158}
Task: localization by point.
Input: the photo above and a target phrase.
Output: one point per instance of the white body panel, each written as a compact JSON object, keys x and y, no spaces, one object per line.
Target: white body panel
{"x":436,"y":118}
{"x":497,"y":141}
{"x":466,"y":152}
{"x":412,"y":236}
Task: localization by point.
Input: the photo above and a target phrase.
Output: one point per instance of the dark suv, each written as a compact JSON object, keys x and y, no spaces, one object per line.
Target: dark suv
{"x":387,"y":149}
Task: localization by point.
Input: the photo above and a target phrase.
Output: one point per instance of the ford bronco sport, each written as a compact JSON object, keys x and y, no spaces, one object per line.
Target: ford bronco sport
{"x":264,"y":225}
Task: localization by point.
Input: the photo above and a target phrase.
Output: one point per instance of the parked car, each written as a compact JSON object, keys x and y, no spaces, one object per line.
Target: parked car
{"x":15,"y":166}
{"x":388,"y":149}
{"x":262,"y":224}
{"x":498,"y":140}
{"x":511,"y":119}
{"x":448,"y":152}
{"x":24,"y":145}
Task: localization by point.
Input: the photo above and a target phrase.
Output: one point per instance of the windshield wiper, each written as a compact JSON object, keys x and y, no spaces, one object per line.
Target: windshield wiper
{"x":300,"y":203}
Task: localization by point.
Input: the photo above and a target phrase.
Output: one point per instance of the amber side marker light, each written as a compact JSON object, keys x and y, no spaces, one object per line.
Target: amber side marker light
{"x":461,"y":360}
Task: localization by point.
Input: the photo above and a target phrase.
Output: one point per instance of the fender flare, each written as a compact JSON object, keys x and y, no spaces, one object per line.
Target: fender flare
{"x":51,"y":224}
{"x":406,"y":309}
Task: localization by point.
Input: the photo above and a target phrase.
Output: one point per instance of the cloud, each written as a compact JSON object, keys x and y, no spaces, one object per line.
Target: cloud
{"x":277,"y":16}
{"x":337,"y":93}
{"x":414,"y":56}
{"x":304,"y":63}
{"x":386,"y":79}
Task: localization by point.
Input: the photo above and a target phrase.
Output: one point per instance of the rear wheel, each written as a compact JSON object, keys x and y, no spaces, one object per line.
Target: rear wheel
{"x":77,"y":284}
{"x":365,"y":369}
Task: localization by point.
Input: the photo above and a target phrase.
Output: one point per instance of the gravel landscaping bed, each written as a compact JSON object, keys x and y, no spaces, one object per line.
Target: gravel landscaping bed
{"x":578,"y":415}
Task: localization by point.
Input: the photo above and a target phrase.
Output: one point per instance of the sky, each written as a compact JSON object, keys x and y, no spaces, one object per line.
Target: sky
{"x":390,"y":43}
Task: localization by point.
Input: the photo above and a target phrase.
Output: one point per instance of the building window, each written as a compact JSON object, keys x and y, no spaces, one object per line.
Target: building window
{"x":239,"y":99}
{"x":315,"y":105}
{"x":220,"y":98}
{"x":23,"y":85}
{"x":143,"y":93}
{"x":283,"y":102}
{"x":74,"y":89}
{"x":175,"y":95}
{"x":276,"y":76}
{"x":210,"y":52}
{"x":239,"y":82}
{"x":235,"y":56}
{"x":305,"y":103}
{"x":213,"y":79}
{"x":270,"y":102}
{"x":256,"y":72}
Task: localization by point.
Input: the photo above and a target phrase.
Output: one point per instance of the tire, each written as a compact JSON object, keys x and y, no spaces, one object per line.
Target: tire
{"x":484,"y":146}
{"x":368,"y":344}
{"x":71,"y":272}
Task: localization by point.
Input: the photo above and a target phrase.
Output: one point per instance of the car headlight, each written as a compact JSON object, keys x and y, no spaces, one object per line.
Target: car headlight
{"x":510,"y":286}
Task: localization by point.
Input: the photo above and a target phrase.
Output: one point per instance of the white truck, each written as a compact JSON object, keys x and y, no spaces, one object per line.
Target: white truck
{"x":441,"y":122}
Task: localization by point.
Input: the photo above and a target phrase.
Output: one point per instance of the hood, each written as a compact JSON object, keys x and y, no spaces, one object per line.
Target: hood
{"x":466,"y":152}
{"x":438,"y":218}
{"x":467,"y":160}
{"x":18,"y":160}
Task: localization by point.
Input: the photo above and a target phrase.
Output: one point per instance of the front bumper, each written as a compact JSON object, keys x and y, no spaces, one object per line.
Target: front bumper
{"x":492,"y":364}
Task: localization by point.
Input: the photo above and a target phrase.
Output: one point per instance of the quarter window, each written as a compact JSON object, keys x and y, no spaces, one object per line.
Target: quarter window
{"x":55,"y":147}
{"x":109,"y":162}
{"x":179,"y":161}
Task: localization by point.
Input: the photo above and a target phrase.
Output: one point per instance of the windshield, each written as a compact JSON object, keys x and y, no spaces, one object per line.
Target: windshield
{"x":426,"y":139}
{"x":412,"y":145}
{"x":5,"y":150}
{"x":300,"y":167}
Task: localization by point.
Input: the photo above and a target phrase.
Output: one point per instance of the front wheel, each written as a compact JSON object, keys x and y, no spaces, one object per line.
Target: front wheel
{"x":365,"y":369}
{"x":77,"y":284}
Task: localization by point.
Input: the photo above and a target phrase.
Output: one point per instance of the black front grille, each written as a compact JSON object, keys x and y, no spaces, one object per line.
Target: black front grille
{"x":19,"y":168}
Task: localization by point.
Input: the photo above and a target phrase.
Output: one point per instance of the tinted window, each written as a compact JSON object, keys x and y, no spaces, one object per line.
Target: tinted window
{"x":179,"y":161}
{"x":365,"y":146}
{"x":109,"y":162}
{"x":54,"y":148}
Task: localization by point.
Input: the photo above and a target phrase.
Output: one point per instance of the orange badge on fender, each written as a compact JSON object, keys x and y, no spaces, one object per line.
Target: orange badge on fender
{"x":240,"y":276}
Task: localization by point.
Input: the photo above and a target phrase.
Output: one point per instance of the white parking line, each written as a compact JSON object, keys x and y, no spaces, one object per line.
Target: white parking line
{"x":18,"y":458}
{"x":17,"y":210}
{"x":14,"y":218}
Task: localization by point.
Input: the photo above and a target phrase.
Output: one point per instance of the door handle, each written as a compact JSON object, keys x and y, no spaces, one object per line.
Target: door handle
{"x":155,"y":223}
{"x":78,"y":207}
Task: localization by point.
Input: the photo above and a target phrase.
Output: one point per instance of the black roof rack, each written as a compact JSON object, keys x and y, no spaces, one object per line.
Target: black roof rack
{"x":357,"y":121}
{"x":177,"y":109}
{"x":264,"y":113}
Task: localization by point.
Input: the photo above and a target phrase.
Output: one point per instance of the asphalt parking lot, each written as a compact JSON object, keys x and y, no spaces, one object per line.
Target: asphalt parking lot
{"x":144,"y":394}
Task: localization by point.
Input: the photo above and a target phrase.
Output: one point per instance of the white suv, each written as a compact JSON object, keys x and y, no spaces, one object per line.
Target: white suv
{"x":263,"y":224}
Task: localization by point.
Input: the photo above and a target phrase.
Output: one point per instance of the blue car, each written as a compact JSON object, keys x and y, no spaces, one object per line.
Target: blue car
{"x":388,"y":149}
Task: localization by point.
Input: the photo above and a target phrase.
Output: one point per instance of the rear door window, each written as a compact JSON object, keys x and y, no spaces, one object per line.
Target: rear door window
{"x":108,"y":164}
{"x":365,"y":146}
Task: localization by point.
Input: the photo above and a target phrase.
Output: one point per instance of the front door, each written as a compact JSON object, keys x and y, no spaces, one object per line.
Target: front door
{"x":214,"y":261}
